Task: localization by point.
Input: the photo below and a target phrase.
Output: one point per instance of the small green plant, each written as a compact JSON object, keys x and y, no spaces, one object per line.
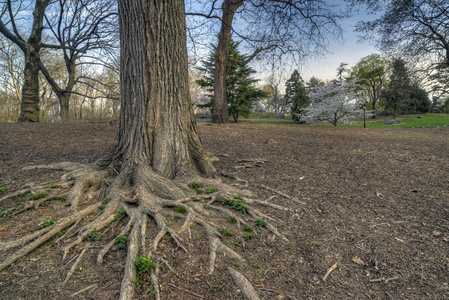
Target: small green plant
{"x":52,"y":244}
{"x":237,"y":203}
{"x":2,"y":190}
{"x":153,"y":293}
{"x":167,"y":224}
{"x":261,"y":187}
{"x":246,"y":227}
{"x":119,"y":214}
{"x":92,"y":237}
{"x":61,"y":198}
{"x":229,"y":245}
{"x":193,"y":225}
{"x":256,"y":266}
{"x":180,"y":209}
{"x":106,"y":201}
{"x":71,"y":178}
{"x":237,"y":265}
{"x":46,"y":224}
{"x":261,"y":222}
{"x":121,"y":242}
{"x":67,"y":204}
{"x":32,"y":197}
{"x":62,"y":233}
{"x":197,"y":187}
{"x":216,"y":288}
{"x":6,"y":213}
{"x":144,"y":264}
{"x":232,"y":220}
{"x":277,"y":226}
{"x":20,"y":195}
{"x":248,"y":236}
{"x":211,"y":190}
{"x":207,"y":219}
{"x":224,"y":232}
{"x":101,"y":207}
{"x":51,"y":186}
{"x":138,"y":280}
{"x":208,"y":207}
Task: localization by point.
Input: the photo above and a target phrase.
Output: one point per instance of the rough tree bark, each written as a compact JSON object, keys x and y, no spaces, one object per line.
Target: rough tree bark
{"x":220,"y":102}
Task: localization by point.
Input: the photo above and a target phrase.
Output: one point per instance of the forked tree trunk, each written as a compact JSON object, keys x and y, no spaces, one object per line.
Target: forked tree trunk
{"x":220,"y":102}
{"x":157,"y":127}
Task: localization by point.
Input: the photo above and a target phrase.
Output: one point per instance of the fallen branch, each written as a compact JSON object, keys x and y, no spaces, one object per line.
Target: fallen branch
{"x":330,"y":271}
{"x":185,"y":290}
{"x":277,"y":292}
{"x":83,"y":290}
{"x":285,"y":195}
{"x":73,"y":268}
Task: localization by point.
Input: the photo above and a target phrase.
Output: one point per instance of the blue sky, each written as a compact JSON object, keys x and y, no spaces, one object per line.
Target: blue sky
{"x":349,"y":51}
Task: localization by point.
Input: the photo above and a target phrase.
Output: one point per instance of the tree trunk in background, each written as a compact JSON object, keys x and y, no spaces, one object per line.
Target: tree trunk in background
{"x":220,"y":102}
{"x":157,"y":128}
{"x":29,"y":107}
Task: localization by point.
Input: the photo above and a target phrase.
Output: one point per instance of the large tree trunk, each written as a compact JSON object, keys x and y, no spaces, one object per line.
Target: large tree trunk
{"x":157,"y":127}
{"x":29,"y":107}
{"x":220,"y":102}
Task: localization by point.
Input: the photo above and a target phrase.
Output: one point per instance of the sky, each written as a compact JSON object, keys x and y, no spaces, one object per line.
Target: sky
{"x":349,"y":51}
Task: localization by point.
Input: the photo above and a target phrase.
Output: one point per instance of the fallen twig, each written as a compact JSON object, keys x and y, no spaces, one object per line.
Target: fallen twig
{"x":277,"y":292}
{"x":330,"y":271}
{"x":83,"y":290}
{"x":184,"y":290}
{"x":73,"y":268}
{"x":285,"y":195}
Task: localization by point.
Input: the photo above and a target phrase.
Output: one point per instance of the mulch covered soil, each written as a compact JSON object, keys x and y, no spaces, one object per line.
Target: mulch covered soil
{"x":376,"y":211}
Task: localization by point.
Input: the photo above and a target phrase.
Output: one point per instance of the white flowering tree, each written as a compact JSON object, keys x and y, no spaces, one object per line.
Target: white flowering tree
{"x":332,"y":103}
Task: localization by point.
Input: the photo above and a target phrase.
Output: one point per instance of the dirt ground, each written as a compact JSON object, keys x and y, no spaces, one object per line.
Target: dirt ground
{"x":376,"y":205}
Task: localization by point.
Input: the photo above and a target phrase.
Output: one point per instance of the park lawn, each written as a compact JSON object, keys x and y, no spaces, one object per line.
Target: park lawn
{"x":409,"y":121}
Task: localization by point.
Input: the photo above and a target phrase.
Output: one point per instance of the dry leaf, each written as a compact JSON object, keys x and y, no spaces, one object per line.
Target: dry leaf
{"x":436,"y":233}
{"x":358,"y":261}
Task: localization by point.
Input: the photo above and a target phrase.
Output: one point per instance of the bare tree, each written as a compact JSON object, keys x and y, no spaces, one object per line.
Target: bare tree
{"x":30,"y":47}
{"x":80,"y":28}
{"x":287,"y":28}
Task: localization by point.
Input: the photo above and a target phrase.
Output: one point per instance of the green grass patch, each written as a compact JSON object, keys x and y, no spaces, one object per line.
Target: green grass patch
{"x":119,"y":214}
{"x":121,"y":242}
{"x":144,"y":264}
{"x":36,"y":196}
{"x":2,"y":191}
{"x":46,"y":224}
{"x":180,"y":209}
{"x":224,"y":232}
{"x":261,"y":222}
{"x":248,"y":236}
{"x":52,"y":186}
{"x":237,"y":204}
{"x":92,"y":237}
{"x":211,"y":190}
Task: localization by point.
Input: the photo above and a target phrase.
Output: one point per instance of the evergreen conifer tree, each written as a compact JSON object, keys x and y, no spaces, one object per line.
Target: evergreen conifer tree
{"x":296,"y":96}
{"x":241,"y":93}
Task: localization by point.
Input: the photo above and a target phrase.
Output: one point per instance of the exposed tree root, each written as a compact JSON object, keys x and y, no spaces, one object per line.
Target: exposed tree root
{"x":148,"y":197}
{"x":244,"y":284}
